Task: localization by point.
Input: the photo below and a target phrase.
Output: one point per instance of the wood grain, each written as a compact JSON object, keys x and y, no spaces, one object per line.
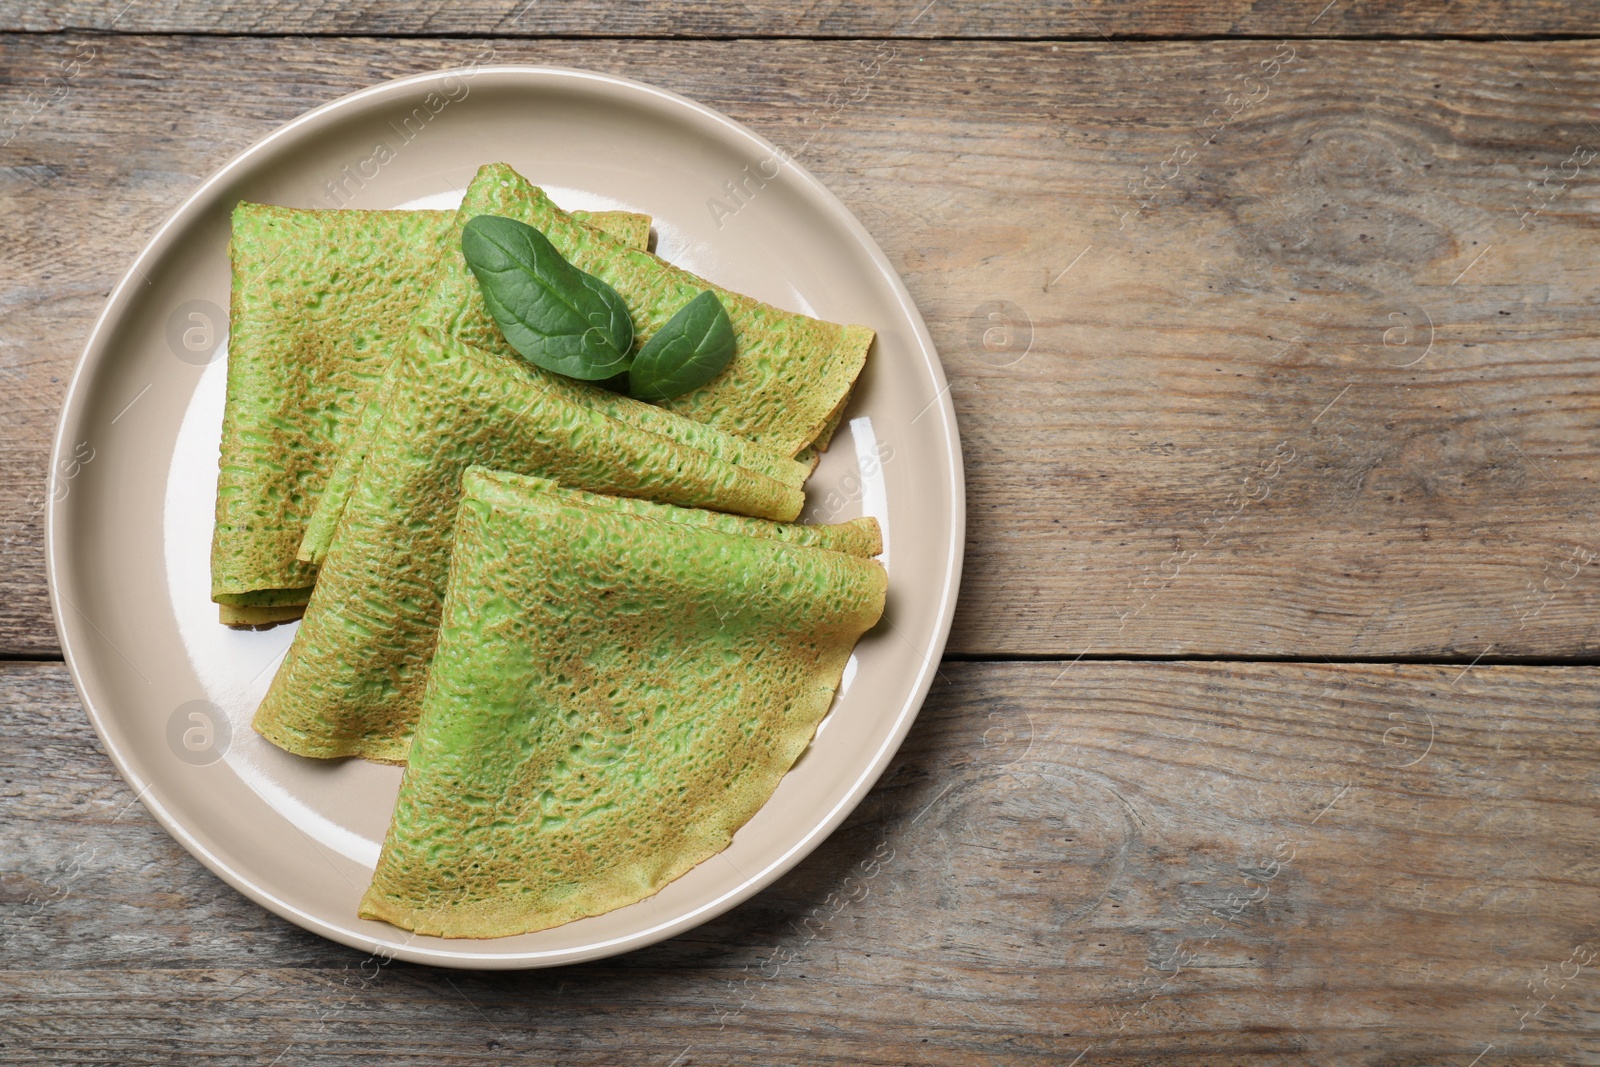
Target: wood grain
{"x":1233,"y":863}
{"x":1090,"y":19}
{"x":1314,"y":379}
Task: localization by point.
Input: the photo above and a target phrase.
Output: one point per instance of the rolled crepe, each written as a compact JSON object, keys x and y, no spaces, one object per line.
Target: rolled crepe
{"x":618,"y":688}
{"x":351,"y":683}
{"x":320,"y":298}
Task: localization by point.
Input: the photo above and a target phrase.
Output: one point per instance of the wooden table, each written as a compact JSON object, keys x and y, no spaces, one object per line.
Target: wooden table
{"x":1268,"y":730}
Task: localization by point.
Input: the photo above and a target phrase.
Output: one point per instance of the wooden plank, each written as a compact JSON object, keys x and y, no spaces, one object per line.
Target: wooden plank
{"x":1321,"y":383}
{"x":1235,"y":863}
{"x":1090,"y":19}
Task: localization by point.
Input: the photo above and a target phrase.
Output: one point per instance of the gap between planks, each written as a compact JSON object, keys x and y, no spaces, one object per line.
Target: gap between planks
{"x":1489,"y":36}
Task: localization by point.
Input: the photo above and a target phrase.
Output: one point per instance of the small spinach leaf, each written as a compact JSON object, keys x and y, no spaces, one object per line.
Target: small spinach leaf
{"x":690,"y":350}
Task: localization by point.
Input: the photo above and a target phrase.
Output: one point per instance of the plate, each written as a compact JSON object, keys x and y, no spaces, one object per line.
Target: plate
{"x":134,"y":469}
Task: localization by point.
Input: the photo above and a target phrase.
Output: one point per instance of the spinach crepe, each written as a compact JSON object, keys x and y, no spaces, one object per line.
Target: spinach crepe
{"x":352,"y":680}
{"x":789,"y":372}
{"x":618,"y":687}
{"x":320,"y":299}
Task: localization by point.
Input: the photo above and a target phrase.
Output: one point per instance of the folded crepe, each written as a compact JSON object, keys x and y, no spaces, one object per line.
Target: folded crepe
{"x":789,"y":371}
{"x":786,"y":387}
{"x":618,"y":688}
{"x":320,"y":299}
{"x":351,"y":683}
{"x":789,"y":374}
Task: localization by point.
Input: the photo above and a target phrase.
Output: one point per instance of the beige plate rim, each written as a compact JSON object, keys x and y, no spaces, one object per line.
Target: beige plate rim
{"x":100,"y":702}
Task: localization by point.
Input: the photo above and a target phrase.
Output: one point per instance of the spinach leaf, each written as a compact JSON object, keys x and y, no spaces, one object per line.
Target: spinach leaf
{"x":690,"y":350}
{"x":554,"y":314}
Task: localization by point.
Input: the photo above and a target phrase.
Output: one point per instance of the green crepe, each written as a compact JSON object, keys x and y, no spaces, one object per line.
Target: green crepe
{"x":789,"y":372}
{"x":618,"y":688}
{"x":351,"y":683}
{"x":785,"y":389}
{"x":319,"y":299}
